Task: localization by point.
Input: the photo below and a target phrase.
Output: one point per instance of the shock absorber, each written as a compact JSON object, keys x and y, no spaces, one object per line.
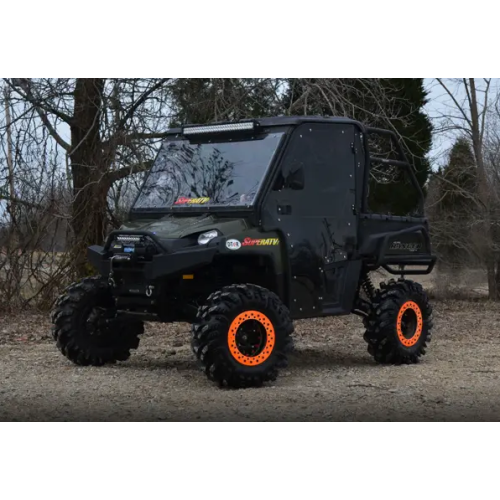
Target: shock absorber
{"x":369,"y":287}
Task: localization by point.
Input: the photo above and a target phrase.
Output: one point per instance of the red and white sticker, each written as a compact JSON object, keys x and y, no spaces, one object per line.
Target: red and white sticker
{"x":233,"y":244}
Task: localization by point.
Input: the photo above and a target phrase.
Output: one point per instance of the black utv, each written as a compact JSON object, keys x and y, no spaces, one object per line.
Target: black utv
{"x":241,"y":228}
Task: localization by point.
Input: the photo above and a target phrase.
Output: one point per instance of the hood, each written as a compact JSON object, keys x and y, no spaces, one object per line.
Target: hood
{"x":172,"y":226}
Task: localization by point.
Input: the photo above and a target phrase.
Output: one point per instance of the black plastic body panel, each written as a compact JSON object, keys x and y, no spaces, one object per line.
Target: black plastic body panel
{"x":318,"y":223}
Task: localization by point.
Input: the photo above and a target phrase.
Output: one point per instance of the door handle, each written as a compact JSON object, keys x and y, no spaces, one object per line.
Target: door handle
{"x":285,"y":209}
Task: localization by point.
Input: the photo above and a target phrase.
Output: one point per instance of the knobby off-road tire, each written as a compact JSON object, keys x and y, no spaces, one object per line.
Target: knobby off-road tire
{"x":242,"y":335}
{"x":84,"y":329}
{"x":398,"y":329}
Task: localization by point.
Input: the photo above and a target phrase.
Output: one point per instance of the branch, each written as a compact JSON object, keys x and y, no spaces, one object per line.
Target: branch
{"x":28,"y":95}
{"x":140,"y":101}
{"x":460,"y":108}
{"x":24,"y":83}
{"x":52,"y":130}
{"x":122,"y":173}
{"x":466,"y":86}
{"x":485,"y":107}
{"x":18,"y":201}
{"x":124,"y":140}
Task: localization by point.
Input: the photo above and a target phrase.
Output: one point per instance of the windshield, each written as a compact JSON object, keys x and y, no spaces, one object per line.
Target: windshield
{"x":208,"y":174}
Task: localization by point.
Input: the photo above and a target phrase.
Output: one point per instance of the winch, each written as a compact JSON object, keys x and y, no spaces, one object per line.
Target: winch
{"x":132,"y":247}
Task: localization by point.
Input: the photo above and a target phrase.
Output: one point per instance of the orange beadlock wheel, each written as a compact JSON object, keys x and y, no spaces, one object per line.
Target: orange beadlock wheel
{"x":409,"y":324}
{"x":251,"y":338}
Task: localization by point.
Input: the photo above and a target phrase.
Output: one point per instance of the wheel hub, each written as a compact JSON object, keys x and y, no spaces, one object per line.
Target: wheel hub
{"x":99,"y":322}
{"x":93,"y":322}
{"x":251,"y":338}
{"x":409,"y":324}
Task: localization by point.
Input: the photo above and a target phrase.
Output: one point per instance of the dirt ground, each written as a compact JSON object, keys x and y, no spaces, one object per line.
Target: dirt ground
{"x":331,"y":377}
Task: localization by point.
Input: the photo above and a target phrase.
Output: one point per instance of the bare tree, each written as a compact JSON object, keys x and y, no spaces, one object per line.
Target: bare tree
{"x":32,"y":208}
{"x":470,"y":111}
{"x":110,"y":123}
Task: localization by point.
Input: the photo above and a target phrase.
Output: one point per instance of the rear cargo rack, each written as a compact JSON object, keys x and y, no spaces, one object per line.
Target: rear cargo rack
{"x":387,"y":261}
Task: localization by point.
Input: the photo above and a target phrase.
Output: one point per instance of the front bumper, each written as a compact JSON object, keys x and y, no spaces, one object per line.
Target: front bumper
{"x":164,"y":264}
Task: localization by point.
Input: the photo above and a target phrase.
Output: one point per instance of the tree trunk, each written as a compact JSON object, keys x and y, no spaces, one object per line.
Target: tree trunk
{"x":497,"y":281}
{"x":11,"y":204}
{"x":483,"y":192}
{"x":89,"y":167}
{"x":492,"y":282}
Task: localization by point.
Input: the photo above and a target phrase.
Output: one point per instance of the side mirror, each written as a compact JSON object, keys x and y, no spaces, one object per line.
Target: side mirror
{"x":295,"y":180}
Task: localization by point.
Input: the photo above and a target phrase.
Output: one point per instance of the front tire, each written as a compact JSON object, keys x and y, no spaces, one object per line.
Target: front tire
{"x":398,"y":328}
{"x":85,"y":329}
{"x":242,"y":336}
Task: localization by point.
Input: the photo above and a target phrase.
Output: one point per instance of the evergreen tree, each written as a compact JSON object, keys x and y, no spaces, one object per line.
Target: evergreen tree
{"x":458,"y":180}
{"x":413,"y":126}
{"x":455,"y":207}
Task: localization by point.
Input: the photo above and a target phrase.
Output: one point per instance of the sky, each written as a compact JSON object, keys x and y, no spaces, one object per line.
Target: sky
{"x":441,"y":103}
{"x":437,"y":101}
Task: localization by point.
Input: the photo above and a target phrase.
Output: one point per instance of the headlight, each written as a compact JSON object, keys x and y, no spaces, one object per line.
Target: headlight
{"x":205,"y":238}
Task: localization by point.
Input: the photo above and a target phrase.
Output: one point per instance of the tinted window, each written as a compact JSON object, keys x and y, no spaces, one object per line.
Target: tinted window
{"x":226,"y":173}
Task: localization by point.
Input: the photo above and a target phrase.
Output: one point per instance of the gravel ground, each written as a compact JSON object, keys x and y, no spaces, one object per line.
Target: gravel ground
{"x":331,"y":377}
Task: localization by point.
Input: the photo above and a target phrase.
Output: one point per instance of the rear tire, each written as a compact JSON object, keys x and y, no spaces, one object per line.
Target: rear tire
{"x":84,"y":328}
{"x":398,"y":328}
{"x":242,"y":336}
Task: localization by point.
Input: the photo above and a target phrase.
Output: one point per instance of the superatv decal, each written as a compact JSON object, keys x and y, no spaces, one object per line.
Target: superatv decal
{"x":250,"y":242}
{"x":192,"y":201}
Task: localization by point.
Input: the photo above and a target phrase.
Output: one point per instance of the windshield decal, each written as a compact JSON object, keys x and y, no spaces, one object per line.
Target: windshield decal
{"x":191,"y":201}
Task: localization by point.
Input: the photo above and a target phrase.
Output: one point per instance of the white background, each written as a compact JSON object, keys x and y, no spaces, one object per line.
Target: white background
{"x":248,"y":39}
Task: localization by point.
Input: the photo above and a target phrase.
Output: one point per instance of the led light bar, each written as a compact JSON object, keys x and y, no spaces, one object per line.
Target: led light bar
{"x":217,"y":129}
{"x":128,"y":238}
